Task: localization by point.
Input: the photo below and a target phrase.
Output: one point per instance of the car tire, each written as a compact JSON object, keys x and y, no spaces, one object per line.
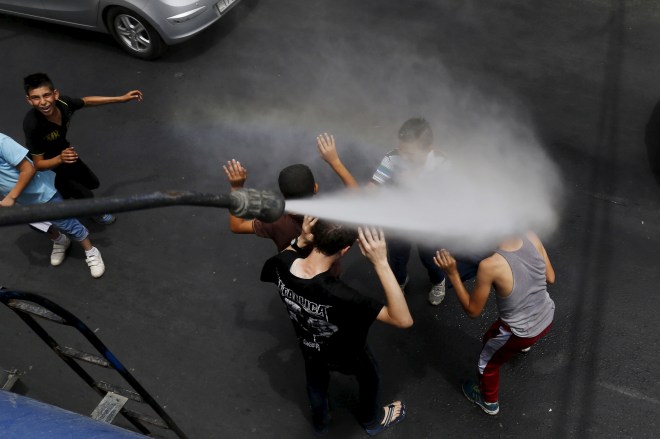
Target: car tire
{"x":134,"y":34}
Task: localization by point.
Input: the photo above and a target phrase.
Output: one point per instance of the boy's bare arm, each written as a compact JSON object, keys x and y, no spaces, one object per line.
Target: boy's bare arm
{"x":237,"y":175}
{"x":25,"y":173}
{"x":373,"y":246}
{"x":473,"y":303}
{"x":68,"y":155}
{"x":93,"y":101}
{"x":306,"y":236}
{"x":328,"y":150}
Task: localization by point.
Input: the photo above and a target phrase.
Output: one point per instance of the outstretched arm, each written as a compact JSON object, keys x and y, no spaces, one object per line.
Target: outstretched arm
{"x":25,"y":173}
{"x":93,"y":101}
{"x":373,"y":246}
{"x":473,"y":303}
{"x":328,"y":150}
{"x":236,"y":175}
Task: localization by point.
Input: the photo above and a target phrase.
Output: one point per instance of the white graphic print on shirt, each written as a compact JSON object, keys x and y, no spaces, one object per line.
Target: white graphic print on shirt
{"x":309,"y":316}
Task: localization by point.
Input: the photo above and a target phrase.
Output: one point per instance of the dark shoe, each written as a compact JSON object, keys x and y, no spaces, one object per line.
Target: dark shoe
{"x":106,"y":219}
{"x":389,"y":420}
{"x":472,"y":392}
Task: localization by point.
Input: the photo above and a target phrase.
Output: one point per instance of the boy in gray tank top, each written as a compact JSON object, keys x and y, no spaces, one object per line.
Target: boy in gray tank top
{"x":519,"y":271}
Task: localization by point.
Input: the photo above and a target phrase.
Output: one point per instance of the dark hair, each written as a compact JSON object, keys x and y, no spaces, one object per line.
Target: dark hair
{"x":330,"y":238}
{"x":416,"y":129}
{"x":37,"y":80}
{"x":296,"y":181}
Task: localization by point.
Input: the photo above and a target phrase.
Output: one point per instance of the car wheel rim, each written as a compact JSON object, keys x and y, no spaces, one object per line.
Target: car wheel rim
{"x":132,"y":33}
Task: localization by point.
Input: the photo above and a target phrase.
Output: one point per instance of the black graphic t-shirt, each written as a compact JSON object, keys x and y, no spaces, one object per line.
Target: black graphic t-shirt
{"x":330,"y":318}
{"x":45,"y":137}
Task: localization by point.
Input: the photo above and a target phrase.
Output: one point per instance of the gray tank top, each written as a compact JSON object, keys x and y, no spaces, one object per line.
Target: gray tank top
{"x":528,"y":310}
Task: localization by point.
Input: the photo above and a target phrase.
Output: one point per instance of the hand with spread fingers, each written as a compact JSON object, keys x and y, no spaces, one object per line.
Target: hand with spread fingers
{"x":372,"y":244}
{"x":236,"y":174}
{"x":327,"y":148}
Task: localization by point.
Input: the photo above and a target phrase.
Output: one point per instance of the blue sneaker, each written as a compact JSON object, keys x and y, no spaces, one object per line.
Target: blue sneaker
{"x":106,"y":219}
{"x":472,"y":392}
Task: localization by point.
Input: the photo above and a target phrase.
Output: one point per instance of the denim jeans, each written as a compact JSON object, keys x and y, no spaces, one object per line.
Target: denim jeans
{"x":365,"y":370}
{"x":70,"y":226}
{"x":467,"y":269}
{"x":398,"y":254}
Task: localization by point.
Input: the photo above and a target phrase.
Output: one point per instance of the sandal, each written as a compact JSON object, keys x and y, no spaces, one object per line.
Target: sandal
{"x":388,"y":420}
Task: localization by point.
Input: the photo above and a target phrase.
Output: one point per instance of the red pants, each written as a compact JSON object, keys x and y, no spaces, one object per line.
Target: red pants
{"x":500,"y":345}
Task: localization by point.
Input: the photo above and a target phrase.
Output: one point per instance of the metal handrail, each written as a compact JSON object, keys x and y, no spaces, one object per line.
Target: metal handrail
{"x":67,"y":318}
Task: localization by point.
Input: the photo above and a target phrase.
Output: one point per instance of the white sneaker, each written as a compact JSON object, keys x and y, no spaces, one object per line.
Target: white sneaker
{"x":437,"y":293}
{"x":95,"y":264}
{"x":59,"y":251}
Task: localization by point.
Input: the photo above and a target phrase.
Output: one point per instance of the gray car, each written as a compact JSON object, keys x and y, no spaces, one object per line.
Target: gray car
{"x":144,"y":28}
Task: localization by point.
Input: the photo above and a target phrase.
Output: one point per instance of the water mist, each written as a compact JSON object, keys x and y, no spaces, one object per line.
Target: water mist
{"x":498,"y":182}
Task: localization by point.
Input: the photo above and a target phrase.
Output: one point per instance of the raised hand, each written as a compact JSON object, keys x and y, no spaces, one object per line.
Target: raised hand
{"x":328,"y":151}
{"x":306,"y":233}
{"x":445,"y":261}
{"x":236,"y":174}
{"x":327,"y":148}
{"x":372,"y":244}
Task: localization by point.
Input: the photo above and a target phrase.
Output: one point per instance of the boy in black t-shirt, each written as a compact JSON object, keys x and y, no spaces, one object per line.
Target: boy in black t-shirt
{"x":45,"y":127}
{"x":332,"y":320}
